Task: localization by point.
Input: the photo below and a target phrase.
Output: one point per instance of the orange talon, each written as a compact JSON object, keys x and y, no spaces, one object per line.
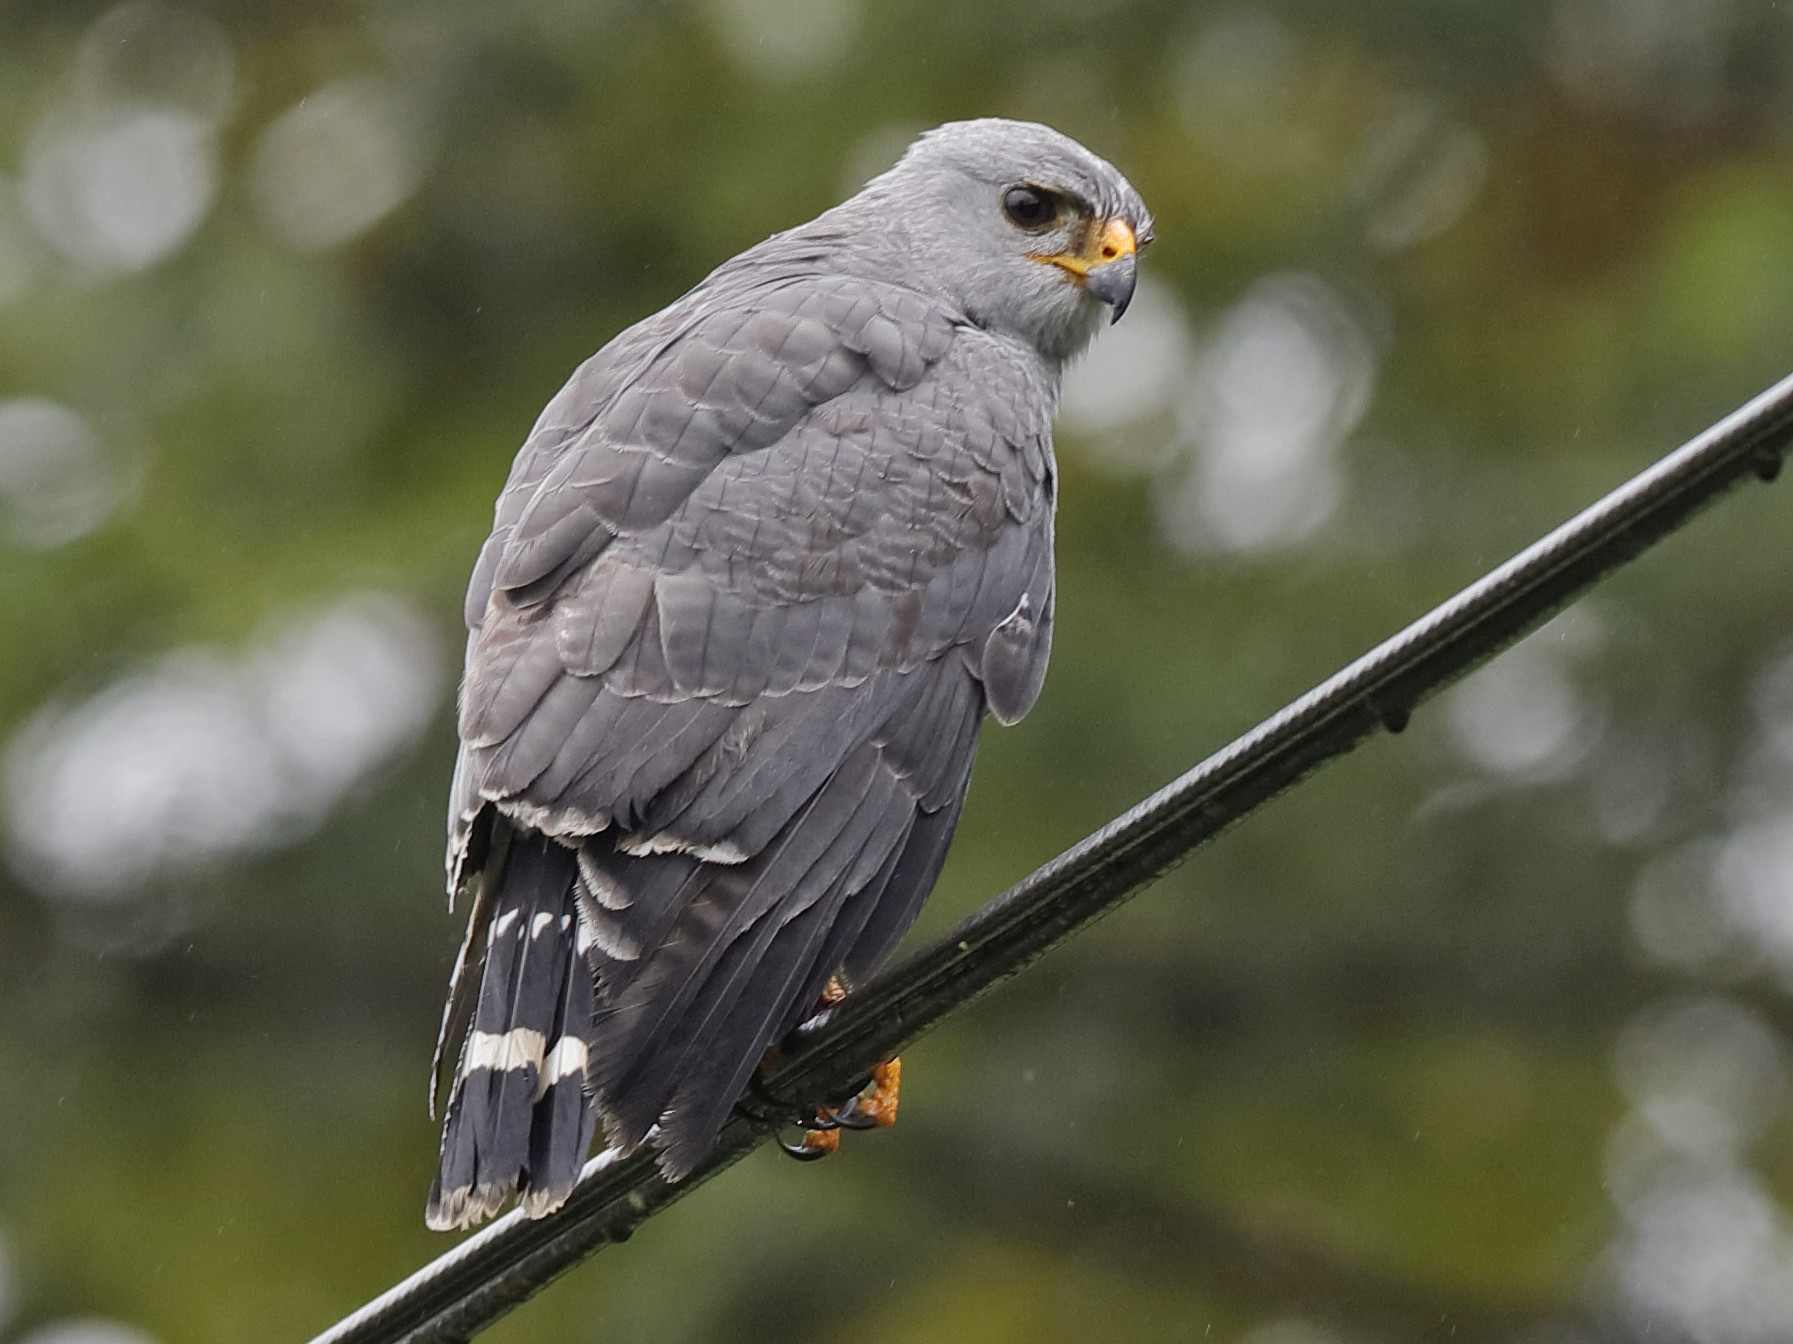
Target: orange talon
{"x":820,"y":1143}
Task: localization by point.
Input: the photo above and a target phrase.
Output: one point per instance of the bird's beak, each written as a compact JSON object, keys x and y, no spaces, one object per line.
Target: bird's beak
{"x":1105,"y":263}
{"x":1112,"y":282}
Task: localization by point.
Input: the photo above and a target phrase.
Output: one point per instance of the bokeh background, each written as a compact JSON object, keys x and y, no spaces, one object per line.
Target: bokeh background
{"x":1482,"y":1034}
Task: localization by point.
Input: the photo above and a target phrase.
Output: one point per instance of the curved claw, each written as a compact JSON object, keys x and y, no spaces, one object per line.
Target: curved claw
{"x":815,"y":1146}
{"x":801,"y":1152}
{"x":847,"y":1116}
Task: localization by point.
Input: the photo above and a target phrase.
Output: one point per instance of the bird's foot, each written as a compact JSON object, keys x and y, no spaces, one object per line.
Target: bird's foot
{"x":874,"y":1106}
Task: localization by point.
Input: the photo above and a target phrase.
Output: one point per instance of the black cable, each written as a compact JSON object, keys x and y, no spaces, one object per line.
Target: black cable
{"x":466,"y":1289}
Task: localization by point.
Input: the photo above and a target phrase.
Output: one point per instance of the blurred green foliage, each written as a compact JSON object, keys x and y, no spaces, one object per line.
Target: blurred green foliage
{"x":1358,"y":1071}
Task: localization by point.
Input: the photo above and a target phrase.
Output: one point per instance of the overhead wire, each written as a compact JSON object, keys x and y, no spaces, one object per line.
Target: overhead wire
{"x":461,"y":1292}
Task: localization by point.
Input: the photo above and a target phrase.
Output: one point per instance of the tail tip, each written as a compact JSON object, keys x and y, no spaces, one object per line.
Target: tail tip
{"x":463,"y":1206}
{"x":539,"y":1202}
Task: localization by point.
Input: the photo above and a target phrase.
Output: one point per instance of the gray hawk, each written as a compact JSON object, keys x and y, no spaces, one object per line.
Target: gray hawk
{"x":760,"y":569}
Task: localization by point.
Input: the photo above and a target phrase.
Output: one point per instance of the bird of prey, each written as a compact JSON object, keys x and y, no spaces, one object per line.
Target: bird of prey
{"x":759,"y":571}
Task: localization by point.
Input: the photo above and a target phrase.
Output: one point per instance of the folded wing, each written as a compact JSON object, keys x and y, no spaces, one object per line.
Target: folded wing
{"x":756,"y":578}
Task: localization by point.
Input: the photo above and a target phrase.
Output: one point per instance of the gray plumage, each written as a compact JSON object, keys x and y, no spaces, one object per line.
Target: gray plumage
{"x":758,"y":573}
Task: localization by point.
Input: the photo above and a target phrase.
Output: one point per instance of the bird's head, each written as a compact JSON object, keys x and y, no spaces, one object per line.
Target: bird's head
{"x":1023,"y":228}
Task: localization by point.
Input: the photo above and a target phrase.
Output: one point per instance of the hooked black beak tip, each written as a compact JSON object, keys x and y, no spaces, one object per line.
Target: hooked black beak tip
{"x":1113,"y":283}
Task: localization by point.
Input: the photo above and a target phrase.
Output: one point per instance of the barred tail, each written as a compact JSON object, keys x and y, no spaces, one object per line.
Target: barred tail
{"x":519,"y":1121}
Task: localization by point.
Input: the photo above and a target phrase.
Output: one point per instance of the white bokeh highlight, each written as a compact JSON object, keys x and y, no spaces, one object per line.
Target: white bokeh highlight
{"x":57,"y":481}
{"x":1524,"y":716}
{"x":119,"y":188}
{"x":1422,"y":171}
{"x":1771,"y":700}
{"x":1703,"y":1073}
{"x":336,"y":163}
{"x":1704,"y":1254}
{"x":1673,"y":916}
{"x":1753,"y":877}
{"x":121,"y":168}
{"x":1278,"y":385}
{"x":1132,"y":375}
{"x":204,"y":756}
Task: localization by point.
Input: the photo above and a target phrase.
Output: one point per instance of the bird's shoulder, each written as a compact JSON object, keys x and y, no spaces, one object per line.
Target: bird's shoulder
{"x":734,"y":367}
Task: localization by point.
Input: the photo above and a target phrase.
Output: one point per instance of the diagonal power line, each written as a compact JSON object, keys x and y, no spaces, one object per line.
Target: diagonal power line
{"x":463,"y":1291}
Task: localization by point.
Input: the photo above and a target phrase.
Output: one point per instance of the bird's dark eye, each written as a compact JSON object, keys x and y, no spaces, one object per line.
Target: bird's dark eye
{"x":1029,"y":207}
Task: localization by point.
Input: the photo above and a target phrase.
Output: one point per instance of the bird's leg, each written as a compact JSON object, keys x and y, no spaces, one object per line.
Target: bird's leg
{"x":874,"y":1105}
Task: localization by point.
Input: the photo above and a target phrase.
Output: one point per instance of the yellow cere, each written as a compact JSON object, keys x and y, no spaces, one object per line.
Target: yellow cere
{"x":1097,"y":247}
